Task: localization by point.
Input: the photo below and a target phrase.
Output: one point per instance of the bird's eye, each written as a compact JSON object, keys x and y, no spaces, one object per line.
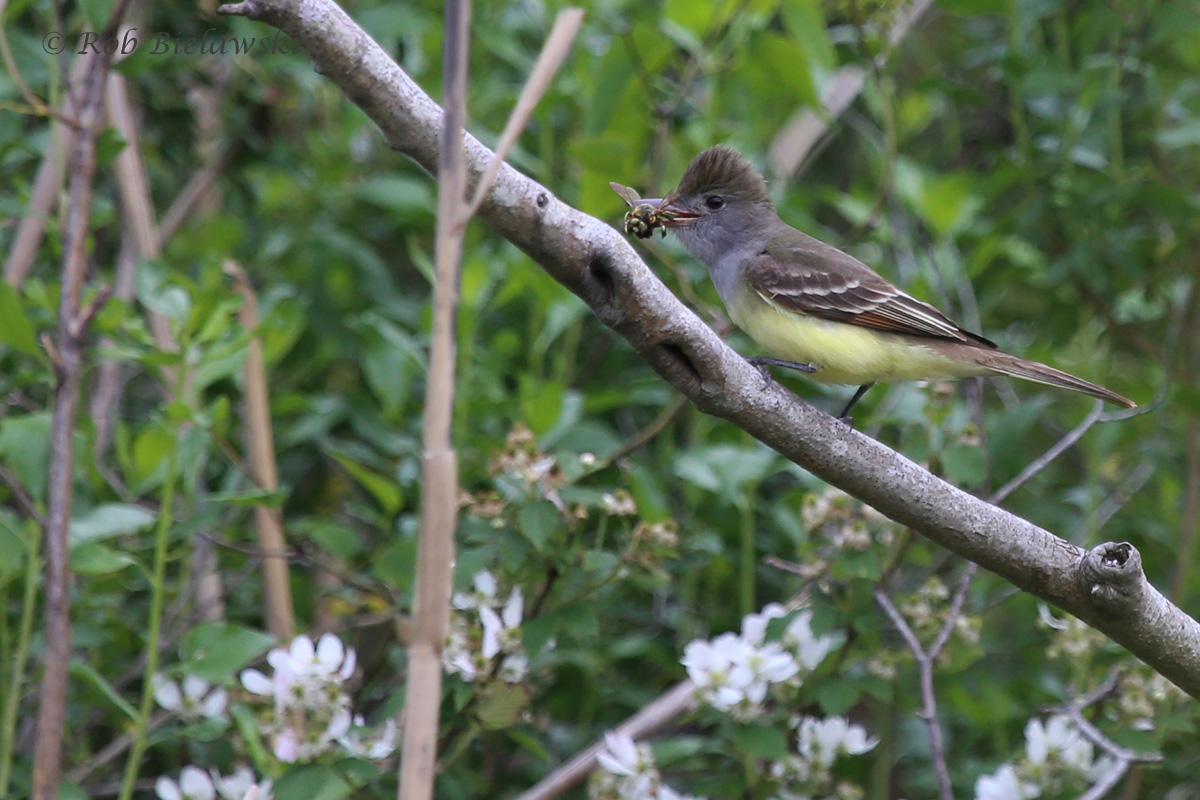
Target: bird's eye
{"x":715,"y":202}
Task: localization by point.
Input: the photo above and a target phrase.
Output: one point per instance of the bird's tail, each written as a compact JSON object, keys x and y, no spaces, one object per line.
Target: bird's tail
{"x":1006,"y":364}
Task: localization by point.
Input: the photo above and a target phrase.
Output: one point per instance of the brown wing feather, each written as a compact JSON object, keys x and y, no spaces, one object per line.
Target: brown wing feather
{"x":824,"y":282}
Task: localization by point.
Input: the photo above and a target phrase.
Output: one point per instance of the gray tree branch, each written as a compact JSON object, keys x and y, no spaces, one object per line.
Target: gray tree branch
{"x":1105,"y":587}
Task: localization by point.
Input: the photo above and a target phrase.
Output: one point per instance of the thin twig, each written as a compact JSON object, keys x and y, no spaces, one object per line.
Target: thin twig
{"x":1057,"y":449}
{"x":439,"y":501}
{"x":925,"y":661}
{"x":22,"y":494}
{"x":260,"y":443}
{"x":650,"y":719}
{"x":792,"y":146}
{"x":59,"y":147}
{"x":558,"y":44}
{"x":439,"y":466}
{"x":647,"y":433}
{"x":1123,"y":758}
{"x":56,"y":653}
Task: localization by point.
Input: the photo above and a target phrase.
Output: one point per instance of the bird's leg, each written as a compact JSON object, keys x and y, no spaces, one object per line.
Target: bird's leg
{"x":845,"y":415}
{"x":762,"y":363}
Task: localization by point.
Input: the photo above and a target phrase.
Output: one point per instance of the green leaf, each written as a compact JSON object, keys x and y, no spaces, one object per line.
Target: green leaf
{"x":394,"y":563}
{"x":108,"y":521}
{"x":341,"y":541}
{"x":675,"y":749}
{"x":964,"y":465}
{"x":250,"y":728}
{"x":25,"y":448}
{"x":837,"y":695}
{"x":81,"y":669}
{"x":150,"y":451}
{"x":600,"y":561}
{"x":805,"y":21}
{"x":215,"y":651}
{"x":156,"y":293}
{"x":537,"y":521}
{"x":98,"y":559}
{"x":15,"y":328}
{"x":311,"y":782}
{"x":541,"y":404}
{"x":390,"y":359}
{"x":385,"y":490}
{"x":208,"y":729}
{"x":409,"y":198}
{"x":502,"y":706}
{"x":760,"y":741}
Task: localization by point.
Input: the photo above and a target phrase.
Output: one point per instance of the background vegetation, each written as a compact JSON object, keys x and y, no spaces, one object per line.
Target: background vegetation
{"x":1030,"y":166}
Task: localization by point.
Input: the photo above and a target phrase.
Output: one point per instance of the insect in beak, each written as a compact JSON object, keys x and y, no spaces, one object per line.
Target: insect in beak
{"x":646,"y":214}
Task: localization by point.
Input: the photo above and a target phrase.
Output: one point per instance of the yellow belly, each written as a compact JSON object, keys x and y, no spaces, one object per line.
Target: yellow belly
{"x":842,"y":352}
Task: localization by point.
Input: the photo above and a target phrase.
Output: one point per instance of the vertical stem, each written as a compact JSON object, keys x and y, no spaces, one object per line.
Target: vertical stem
{"x":749,"y":563}
{"x":16,"y":679}
{"x":260,"y":442}
{"x":158,"y":592}
{"x":56,"y":653}
{"x":439,"y":467}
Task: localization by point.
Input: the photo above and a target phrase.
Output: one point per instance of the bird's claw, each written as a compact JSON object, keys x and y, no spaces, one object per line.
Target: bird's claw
{"x":762,"y":363}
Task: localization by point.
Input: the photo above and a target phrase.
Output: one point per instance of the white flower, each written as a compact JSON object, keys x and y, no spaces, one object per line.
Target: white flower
{"x":710,"y":666}
{"x":822,"y":740}
{"x":810,"y":650}
{"x":484,"y":584}
{"x":500,"y":631}
{"x":1059,"y":738}
{"x":166,"y":692}
{"x":339,"y":725}
{"x":287,"y":746}
{"x":381,"y":746}
{"x":1004,"y":785}
{"x":1044,"y":740}
{"x":457,"y":657}
{"x":197,"y":698}
{"x":621,"y":757}
{"x":754,"y":626}
{"x":328,"y":660}
{"x":636,"y":777}
{"x":305,"y":675}
{"x":239,"y":785}
{"x":194,"y":784}
{"x":734,"y":673}
{"x":257,"y":683}
{"x":514,"y":668}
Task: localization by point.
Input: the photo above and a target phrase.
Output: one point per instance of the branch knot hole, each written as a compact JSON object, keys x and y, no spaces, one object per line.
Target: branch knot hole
{"x":601,"y":281}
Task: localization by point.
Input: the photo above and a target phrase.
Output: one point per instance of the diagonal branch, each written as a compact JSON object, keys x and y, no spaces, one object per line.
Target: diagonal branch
{"x":1105,"y":587}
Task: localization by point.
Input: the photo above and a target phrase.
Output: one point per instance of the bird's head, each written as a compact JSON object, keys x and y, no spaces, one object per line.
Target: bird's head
{"x":720,"y":204}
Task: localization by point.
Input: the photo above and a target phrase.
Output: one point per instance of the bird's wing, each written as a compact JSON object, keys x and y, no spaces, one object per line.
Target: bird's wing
{"x":806,"y":275}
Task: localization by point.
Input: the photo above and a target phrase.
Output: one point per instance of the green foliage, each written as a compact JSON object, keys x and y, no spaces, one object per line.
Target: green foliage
{"x":1028,"y":166}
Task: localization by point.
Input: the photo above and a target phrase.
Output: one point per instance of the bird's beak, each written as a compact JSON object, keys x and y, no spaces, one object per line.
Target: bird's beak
{"x":672,"y":214}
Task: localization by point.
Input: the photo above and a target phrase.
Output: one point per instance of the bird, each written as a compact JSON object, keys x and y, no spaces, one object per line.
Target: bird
{"x":812,"y":307}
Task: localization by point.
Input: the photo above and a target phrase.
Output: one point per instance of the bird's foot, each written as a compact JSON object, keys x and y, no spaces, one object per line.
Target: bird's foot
{"x":762,"y":363}
{"x":846,"y":418}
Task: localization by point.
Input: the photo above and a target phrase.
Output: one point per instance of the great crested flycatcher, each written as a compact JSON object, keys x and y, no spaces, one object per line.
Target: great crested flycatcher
{"x":813,"y":307}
